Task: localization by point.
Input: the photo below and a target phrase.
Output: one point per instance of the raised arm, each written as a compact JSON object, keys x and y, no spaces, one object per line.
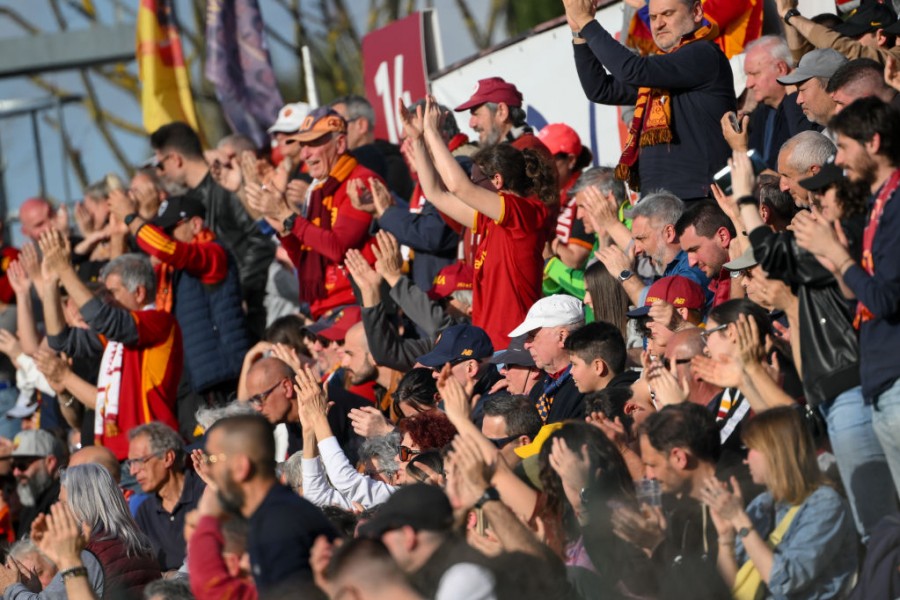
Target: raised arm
{"x":21,"y":285}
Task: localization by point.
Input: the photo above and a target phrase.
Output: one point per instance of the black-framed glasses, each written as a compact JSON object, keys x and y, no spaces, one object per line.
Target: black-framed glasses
{"x":407,"y":453}
{"x":161,"y":163}
{"x":139,"y":463}
{"x":708,"y":332}
{"x":678,"y":362}
{"x":501,"y":443}
{"x":260,"y":398}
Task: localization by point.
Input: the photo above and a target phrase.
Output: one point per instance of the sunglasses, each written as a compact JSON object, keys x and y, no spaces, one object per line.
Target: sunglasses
{"x":23,"y":463}
{"x":678,"y":361}
{"x":407,"y":453}
{"x":500,"y":443}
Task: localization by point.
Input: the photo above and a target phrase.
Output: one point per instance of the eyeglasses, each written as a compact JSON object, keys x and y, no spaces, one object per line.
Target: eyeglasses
{"x":500,"y":443}
{"x":22,"y":464}
{"x":708,"y":332}
{"x":211,"y":459}
{"x":161,"y":163}
{"x":260,"y":398}
{"x":138,"y":463}
{"x":407,"y":453}
{"x":678,"y":361}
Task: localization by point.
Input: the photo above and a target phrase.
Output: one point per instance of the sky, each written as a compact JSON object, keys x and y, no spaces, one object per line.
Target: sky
{"x":19,"y":171}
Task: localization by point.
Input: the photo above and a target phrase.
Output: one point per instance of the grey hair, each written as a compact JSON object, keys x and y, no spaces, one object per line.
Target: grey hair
{"x":206,"y":417}
{"x":808,"y":148}
{"x":161,"y":438}
{"x":384,"y":448}
{"x":26,"y":547}
{"x":517,"y":114}
{"x":99,"y":190}
{"x":662,"y":206}
{"x":357,"y":108}
{"x":134,"y":270}
{"x":775,"y":46}
{"x":462,"y":296}
{"x":602,"y":178}
{"x":292,"y":468}
{"x":95,"y":499}
{"x":168,"y":589}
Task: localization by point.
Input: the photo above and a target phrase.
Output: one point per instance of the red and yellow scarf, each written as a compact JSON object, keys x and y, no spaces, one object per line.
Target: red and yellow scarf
{"x":863,"y":314}
{"x":311,"y":268}
{"x":652,"y":121}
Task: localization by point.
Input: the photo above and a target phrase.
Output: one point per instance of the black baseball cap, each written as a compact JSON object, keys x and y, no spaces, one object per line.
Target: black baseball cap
{"x":869,"y":17}
{"x":176,"y":209}
{"x":515,"y":354}
{"x":420,"y":506}
{"x":827,"y":176}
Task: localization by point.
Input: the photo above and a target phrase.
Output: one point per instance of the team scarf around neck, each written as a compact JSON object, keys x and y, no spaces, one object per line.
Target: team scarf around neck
{"x":311,"y":270}
{"x":652,"y":121}
{"x":863,"y":314}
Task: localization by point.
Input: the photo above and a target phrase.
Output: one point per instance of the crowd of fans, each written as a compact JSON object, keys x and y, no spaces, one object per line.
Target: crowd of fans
{"x":482,"y":368}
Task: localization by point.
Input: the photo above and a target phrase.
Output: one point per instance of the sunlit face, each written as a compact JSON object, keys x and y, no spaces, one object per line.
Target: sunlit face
{"x":271,"y":396}
{"x":494,"y":428}
{"x":581,"y":213}
{"x":650,"y":241}
{"x":671,"y":20}
{"x":35,"y":218}
{"x":120,"y":295}
{"x":355,"y":357}
{"x":718,"y":342}
{"x":151,"y":473}
{"x":486,"y":124}
{"x":545,"y":345}
{"x":320,"y":155}
{"x":853,"y":157}
{"x":755,"y":282}
{"x":287,"y":144}
{"x":816,"y":103}
{"x":585,"y":374}
{"x":661,"y":466}
{"x":707,"y":254}
{"x":762,"y":73}
{"x":759,"y":469}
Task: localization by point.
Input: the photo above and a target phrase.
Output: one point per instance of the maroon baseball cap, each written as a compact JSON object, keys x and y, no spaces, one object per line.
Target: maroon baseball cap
{"x":343,"y":320}
{"x":678,"y":291}
{"x":492,"y":89}
{"x":458,"y":276}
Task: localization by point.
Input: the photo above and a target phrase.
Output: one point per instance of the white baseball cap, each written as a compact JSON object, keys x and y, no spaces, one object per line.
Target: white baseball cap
{"x":552,"y":311}
{"x":290,"y":118}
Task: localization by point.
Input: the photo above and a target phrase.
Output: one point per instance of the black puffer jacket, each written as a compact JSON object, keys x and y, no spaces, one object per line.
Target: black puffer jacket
{"x":828,"y":342}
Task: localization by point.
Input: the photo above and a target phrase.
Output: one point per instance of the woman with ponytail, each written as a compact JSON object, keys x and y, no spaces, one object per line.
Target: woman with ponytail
{"x":507,"y":202}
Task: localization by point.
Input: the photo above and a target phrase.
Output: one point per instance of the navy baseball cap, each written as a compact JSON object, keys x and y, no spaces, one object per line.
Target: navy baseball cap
{"x":458,"y":342}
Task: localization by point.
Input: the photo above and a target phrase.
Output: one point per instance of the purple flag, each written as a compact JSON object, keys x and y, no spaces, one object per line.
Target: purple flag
{"x":238,"y":64}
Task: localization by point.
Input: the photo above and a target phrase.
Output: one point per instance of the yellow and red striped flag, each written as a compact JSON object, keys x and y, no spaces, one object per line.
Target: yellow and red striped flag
{"x":166,"y":88}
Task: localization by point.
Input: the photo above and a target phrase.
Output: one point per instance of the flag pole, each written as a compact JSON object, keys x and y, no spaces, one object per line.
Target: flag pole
{"x":312,"y":94}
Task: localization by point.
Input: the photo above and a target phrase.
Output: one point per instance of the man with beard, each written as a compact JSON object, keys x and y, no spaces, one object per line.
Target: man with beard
{"x":240,"y":459}
{"x":497,"y":115}
{"x":357,"y":361}
{"x":706,"y":233}
{"x":36,"y":459}
{"x":653,"y":236}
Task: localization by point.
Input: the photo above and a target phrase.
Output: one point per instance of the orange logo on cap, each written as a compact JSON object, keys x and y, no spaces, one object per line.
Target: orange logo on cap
{"x":440,"y":280}
{"x":467,"y":352}
{"x":288,"y":112}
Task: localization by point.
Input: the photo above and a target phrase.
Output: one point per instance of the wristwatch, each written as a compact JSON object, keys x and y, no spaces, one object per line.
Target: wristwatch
{"x":288,"y":223}
{"x":489,"y":495}
{"x":791,"y":13}
{"x":576,"y":35}
{"x":744,"y":532}
{"x":129,"y":218}
{"x":625,"y":275}
{"x":747,"y":200}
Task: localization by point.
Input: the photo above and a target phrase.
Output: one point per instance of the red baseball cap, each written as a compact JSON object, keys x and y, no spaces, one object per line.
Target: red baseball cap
{"x":343,"y":320}
{"x":492,"y":89}
{"x":560,"y":139}
{"x":458,"y":276}
{"x":678,"y":291}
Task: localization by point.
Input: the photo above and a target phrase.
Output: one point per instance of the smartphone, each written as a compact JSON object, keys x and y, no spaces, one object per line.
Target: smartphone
{"x":735,"y":122}
{"x":723,"y":177}
{"x":480,"y":521}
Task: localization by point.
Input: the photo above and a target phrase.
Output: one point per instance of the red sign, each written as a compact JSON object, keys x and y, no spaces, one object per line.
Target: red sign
{"x":394,"y":68}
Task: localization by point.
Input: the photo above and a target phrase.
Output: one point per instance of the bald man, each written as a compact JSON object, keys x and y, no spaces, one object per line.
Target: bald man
{"x":270,"y":385}
{"x":36,"y":215}
{"x":98,"y":455}
{"x":682,"y":347}
{"x":359,"y":362}
{"x":282,"y":526}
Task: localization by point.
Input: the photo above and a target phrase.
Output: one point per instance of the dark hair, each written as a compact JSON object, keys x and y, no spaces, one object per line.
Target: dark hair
{"x":853,"y":196}
{"x":429,"y":430}
{"x":520,"y":413}
{"x":729,"y":311}
{"x":252,"y":435}
{"x":686,"y":425}
{"x":432,"y":459}
{"x":344,"y":521}
{"x":853,"y":71}
{"x":611,"y":402}
{"x":782,"y":205}
{"x":609,"y":299}
{"x":288,"y":330}
{"x":598,"y":340}
{"x":863,"y":118}
{"x":177,"y":136}
{"x":609,"y":478}
{"x":524,"y":172}
{"x":706,"y":217}
{"x":418,"y":386}
{"x":366,"y":556}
